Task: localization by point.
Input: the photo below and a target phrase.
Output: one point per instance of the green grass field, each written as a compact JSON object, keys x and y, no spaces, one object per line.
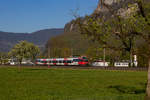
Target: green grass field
{"x":69,"y":84}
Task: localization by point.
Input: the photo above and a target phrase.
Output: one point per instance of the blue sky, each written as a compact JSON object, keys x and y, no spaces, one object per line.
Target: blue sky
{"x":33,"y":15}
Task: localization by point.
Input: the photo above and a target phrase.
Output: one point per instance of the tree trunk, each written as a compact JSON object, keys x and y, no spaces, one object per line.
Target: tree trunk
{"x":148,"y":83}
{"x":131,"y":62}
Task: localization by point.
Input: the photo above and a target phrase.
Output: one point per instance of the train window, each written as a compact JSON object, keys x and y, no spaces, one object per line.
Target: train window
{"x":44,"y":61}
{"x":50,"y":61}
{"x":68,"y":61}
{"x":54,"y":61}
{"x":60,"y":61}
{"x":74,"y":60}
{"x":64,"y":61}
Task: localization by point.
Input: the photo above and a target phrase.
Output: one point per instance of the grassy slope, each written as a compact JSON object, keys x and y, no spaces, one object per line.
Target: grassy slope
{"x":67,"y":84}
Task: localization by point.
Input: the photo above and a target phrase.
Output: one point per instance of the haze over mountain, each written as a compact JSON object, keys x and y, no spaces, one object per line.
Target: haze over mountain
{"x":9,"y":39}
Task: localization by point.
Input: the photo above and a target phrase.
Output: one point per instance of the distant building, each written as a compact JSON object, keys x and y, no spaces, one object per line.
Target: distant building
{"x":121,"y":64}
{"x":100,"y":63}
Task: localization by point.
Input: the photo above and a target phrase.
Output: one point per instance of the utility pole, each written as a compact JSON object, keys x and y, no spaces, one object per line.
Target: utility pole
{"x":131,"y":62}
{"x":49,"y":52}
{"x":72,"y":52}
{"x":104,"y":57}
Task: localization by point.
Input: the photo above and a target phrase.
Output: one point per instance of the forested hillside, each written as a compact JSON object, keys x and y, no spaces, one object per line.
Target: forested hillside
{"x":8,"y":39}
{"x":68,"y":44}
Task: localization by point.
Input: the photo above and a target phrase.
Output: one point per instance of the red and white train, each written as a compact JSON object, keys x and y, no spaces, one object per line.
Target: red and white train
{"x":76,"y":61}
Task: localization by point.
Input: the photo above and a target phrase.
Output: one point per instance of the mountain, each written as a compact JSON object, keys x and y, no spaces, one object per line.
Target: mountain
{"x":9,"y":39}
{"x":105,"y":9}
{"x":119,"y":7}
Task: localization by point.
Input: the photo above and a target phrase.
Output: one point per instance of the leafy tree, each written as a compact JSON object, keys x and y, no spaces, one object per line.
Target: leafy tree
{"x":3,"y":58}
{"x":120,"y":31}
{"x":25,"y":50}
{"x":143,"y":29}
{"x":114,"y":33}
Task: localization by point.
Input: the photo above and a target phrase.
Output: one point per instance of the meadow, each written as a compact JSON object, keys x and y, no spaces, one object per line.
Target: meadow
{"x":71,"y":84}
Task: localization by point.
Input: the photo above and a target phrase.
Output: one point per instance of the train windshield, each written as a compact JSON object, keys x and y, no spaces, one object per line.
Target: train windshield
{"x":77,"y":60}
{"x":85,"y":60}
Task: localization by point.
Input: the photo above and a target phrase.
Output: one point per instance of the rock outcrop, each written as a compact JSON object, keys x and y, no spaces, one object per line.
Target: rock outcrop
{"x":119,"y":7}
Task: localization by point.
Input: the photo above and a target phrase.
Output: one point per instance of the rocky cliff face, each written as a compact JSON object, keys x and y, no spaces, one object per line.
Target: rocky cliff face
{"x":120,"y":7}
{"x":101,"y":7}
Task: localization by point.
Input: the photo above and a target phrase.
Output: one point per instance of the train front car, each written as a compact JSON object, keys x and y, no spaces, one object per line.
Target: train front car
{"x":83,"y":61}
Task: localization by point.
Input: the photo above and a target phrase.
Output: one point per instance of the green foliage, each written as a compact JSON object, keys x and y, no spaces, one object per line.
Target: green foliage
{"x":143,"y":54}
{"x":93,"y":53}
{"x":25,"y":50}
{"x":3,"y":58}
{"x":68,"y":44}
{"x":96,"y":29}
{"x":68,"y":84}
{"x":120,"y":33}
